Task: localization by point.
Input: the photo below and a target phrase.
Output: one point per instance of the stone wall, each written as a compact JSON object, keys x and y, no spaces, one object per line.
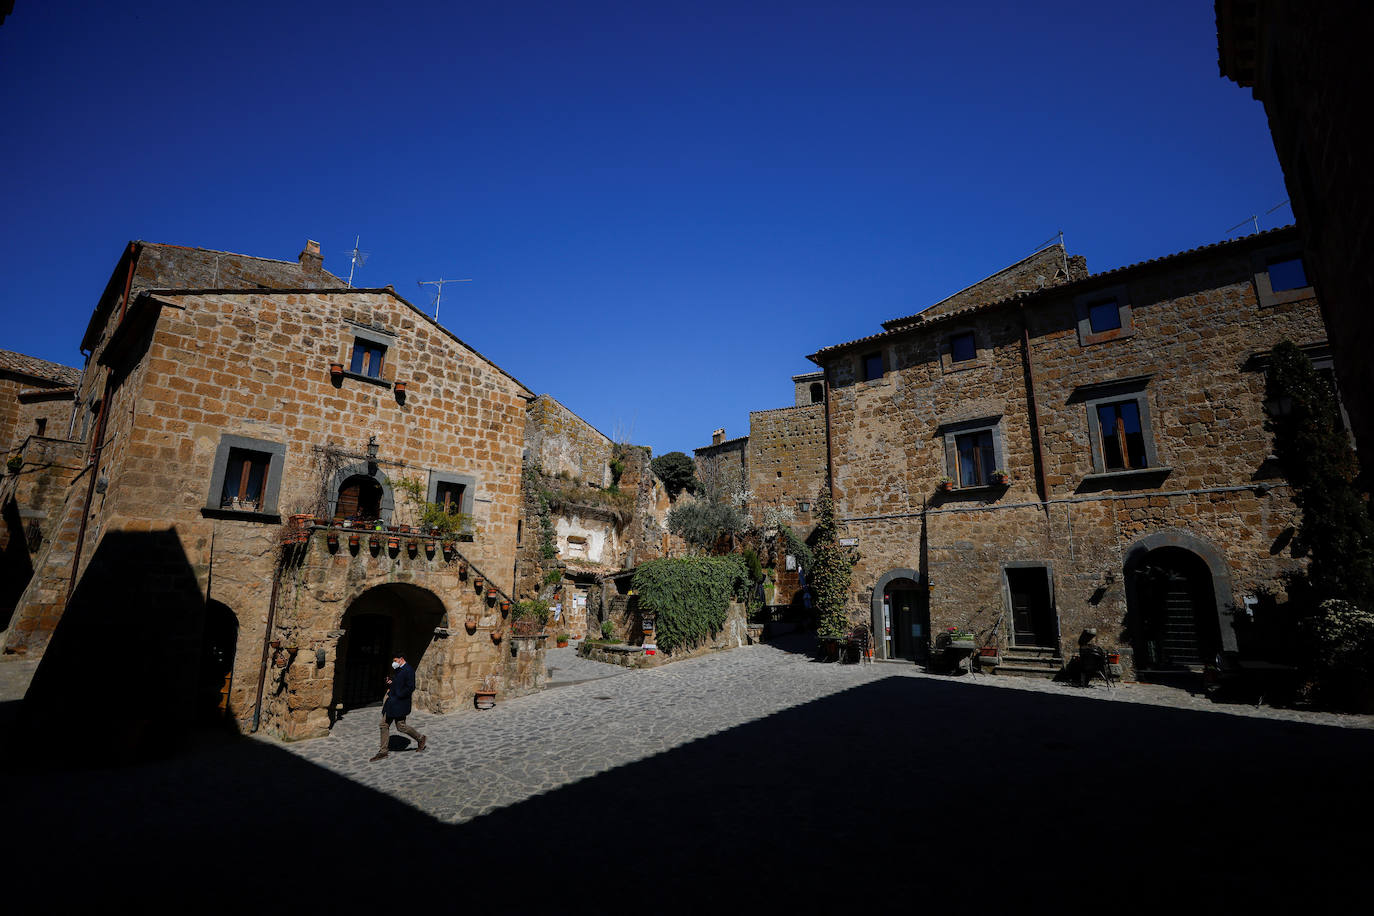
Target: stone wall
{"x":787,"y":460}
{"x":189,"y":369}
{"x":1194,"y":328}
{"x":1050,"y":266}
{"x":562,"y":443}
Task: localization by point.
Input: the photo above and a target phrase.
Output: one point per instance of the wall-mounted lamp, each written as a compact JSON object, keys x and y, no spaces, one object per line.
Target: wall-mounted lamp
{"x":372,"y":448}
{"x":102,"y":484}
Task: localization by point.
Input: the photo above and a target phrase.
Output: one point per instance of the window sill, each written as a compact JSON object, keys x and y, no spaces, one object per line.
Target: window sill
{"x":357,"y":376}
{"x":1142,"y":477}
{"x":238,"y":515}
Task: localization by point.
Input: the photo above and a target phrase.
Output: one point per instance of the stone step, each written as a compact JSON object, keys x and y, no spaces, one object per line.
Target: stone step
{"x":1037,"y":651}
{"x":1015,"y":658}
{"x":1014,"y":670}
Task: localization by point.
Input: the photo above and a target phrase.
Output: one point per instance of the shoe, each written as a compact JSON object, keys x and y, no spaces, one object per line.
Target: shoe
{"x":380,"y":755}
{"x":421,"y":746}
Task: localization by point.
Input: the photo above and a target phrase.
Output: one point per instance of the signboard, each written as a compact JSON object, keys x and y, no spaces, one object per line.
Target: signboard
{"x":791,"y":562}
{"x":849,"y":542}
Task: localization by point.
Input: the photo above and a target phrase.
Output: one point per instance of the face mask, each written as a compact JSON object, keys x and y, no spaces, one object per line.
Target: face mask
{"x":395,"y":664}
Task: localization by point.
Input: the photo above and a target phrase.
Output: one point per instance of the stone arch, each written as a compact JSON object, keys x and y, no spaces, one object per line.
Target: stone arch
{"x":1216,"y":563}
{"x":218,"y":648}
{"x":876,"y":605}
{"x":363,"y":469}
{"x":378,"y":621}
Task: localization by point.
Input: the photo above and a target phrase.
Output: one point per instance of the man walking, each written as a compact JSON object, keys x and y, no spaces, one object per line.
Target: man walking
{"x":396,"y":706}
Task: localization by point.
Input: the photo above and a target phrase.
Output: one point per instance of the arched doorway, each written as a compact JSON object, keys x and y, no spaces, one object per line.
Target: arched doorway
{"x":379,"y":623}
{"x":901,"y":616}
{"x":360,"y":498}
{"x":1176,"y":624}
{"x":218,"y":643}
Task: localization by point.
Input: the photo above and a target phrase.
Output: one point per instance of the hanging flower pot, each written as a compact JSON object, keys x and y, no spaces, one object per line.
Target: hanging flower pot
{"x":375,"y":542}
{"x":393,"y":542}
{"x":429,"y":548}
{"x":471,"y":623}
{"x":479,"y":582}
{"x":505,"y":607}
{"x":412,"y":547}
{"x":449,"y":548}
{"x":492,"y":594}
{"x":332,"y":539}
{"x":496,"y":636}
{"x":336,"y":372}
{"x":401,"y":388}
{"x":353,"y":541}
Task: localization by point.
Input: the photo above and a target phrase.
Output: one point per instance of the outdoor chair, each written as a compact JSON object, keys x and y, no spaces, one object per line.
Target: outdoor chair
{"x":861,"y":641}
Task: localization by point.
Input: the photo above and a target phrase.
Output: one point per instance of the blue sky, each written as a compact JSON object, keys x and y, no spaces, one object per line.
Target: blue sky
{"x":663,"y":206}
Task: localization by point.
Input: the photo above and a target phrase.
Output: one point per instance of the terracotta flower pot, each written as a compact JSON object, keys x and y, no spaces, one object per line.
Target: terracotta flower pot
{"x":393,"y":543}
{"x":505,"y":606}
{"x":336,"y":370}
{"x":484,"y":699}
{"x":401,"y":388}
{"x":479,"y":582}
{"x":353,"y":540}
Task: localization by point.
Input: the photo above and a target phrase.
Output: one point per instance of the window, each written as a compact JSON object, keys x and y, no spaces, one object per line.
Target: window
{"x":1119,"y":431}
{"x":973,"y":450}
{"x":245,"y":478}
{"x":817,"y":392}
{"x":873,"y":366}
{"x":367,"y":358}
{"x":1286,"y":274}
{"x":449,"y":495}
{"x":962,"y":348}
{"x":803,"y":507}
{"x":360,"y":499}
{"x":977,"y":458}
{"x":1123,"y":441}
{"x":1103,"y":315}
{"x":1280,"y":275}
{"x":40,"y":426}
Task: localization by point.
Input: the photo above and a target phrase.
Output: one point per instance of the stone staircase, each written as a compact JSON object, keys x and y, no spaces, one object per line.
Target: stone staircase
{"x":1029,"y":661}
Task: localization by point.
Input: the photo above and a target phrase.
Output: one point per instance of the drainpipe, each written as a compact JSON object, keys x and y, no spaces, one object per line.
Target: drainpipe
{"x":1041,"y":479}
{"x":97,"y":443}
{"x":266,"y":645}
{"x":829,"y":464}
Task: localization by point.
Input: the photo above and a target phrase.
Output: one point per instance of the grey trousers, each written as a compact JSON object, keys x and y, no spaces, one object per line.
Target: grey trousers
{"x":400,"y":727}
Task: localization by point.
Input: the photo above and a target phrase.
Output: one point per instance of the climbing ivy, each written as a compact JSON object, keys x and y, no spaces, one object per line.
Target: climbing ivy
{"x":548,"y":536}
{"x":689,"y":596}
{"x":831,"y":572}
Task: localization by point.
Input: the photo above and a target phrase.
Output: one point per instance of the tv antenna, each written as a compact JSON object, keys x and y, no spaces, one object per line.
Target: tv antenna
{"x":1254,"y":218}
{"x":439,"y":294}
{"x":358,"y":260}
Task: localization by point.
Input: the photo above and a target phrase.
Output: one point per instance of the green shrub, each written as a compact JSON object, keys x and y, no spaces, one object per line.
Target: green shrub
{"x":832,"y":569}
{"x":607,"y":629}
{"x":529,"y":617}
{"x":689,"y":596}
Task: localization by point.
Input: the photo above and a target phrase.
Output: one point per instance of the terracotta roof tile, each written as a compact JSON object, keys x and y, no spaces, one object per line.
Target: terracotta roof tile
{"x":39,"y":368}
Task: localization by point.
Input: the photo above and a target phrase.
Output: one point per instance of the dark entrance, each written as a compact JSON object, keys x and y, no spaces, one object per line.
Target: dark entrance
{"x":1032,"y":607}
{"x":379,"y":623}
{"x":906,"y":612}
{"x":219,"y":641}
{"x":1177,"y":613}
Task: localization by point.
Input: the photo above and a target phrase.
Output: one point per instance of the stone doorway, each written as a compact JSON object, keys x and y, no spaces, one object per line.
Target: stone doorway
{"x":218,"y":643}
{"x":379,"y":623}
{"x":901,"y":617}
{"x":1030,"y":594}
{"x":1178,"y":626}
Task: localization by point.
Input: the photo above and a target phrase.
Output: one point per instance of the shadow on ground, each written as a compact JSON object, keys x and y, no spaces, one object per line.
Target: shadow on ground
{"x":906,"y":791}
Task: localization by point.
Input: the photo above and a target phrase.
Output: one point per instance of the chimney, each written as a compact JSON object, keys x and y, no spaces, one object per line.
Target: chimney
{"x":718,"y":436}
{"x":311,"y":259}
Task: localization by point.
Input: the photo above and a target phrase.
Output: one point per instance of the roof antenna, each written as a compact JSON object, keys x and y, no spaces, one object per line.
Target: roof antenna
{"x":358,"y":260}
{"x":440,"y":293}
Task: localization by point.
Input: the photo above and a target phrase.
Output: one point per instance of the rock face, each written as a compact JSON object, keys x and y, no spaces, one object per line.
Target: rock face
{"x":222,"y":420}
{"x":1127,"y":413}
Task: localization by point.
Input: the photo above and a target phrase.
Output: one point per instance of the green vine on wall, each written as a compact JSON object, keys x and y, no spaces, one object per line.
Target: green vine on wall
{"x":548,"y":536}
{"x":832,"y":569}
{"x":690,"y":596}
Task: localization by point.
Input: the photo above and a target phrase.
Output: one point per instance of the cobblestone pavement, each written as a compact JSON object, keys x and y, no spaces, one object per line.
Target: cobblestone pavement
{"x":751,"y":779}
{"x":479,"y":761}
{"x":565,"y":667}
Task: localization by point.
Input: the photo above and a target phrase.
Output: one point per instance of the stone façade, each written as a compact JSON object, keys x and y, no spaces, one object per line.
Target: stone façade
{"x":1193,"y":325}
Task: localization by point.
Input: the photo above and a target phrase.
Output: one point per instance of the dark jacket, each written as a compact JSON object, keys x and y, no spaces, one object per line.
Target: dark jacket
{"x":397,"y":705}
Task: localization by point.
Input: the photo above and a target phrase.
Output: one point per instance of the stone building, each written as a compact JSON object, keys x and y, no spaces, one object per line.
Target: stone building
{"x":1307,"y":63}
{"x":227,"y":402}
{"x":1084,"y":452}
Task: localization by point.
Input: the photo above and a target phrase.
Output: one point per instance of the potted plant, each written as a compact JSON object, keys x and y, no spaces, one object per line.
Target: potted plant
{"x":353,"y":537}
{"x":336,"y":372}
{"x":945,"y":485}
{"x":412,"y":547}
{"x":15,"y":463}
{"x":505,"y":607}
{"x":401,"y":388}
{"x":563,"y":640}
{"x":529,"y":617}
{"x":485,"y":696}
{"x":375,"y":541}
{"x":478,"y":582}
{"x":470,"y":622}
{"x":429,"y":548}
{"x":1000,"y":477}
{"x":492,"y":593}
{"x":960,"y":638}
{"x":332,"y":539}
{"x":393,"y":542}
